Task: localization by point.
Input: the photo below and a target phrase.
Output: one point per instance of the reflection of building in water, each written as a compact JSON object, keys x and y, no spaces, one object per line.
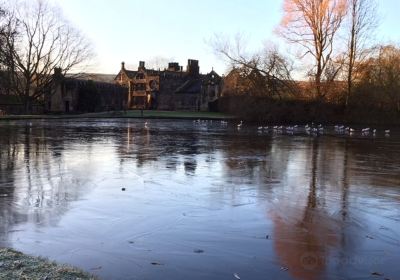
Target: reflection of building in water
{"x":190,"y":165}
{"x":266,"y":163}
{"x":147,"y":145}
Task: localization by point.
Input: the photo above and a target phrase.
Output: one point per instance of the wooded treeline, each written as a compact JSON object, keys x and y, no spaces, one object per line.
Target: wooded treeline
{"x":346,"y":69}
{"x":35,"y":40}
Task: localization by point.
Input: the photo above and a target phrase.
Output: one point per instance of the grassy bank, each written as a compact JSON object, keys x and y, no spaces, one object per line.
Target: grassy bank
{"x":16,"y":265}
{"x":128,"y":114}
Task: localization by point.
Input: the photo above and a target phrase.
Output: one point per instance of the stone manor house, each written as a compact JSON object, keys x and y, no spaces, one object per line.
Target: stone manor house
{"x":170,"y":89}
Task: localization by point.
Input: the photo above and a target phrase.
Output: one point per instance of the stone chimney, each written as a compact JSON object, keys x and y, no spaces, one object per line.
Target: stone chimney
{"x":173,"y":66}
{"x":193,"y":68}
{"x":122,"y":65}
{"x":141,"y":65}
{"x":58,"y":73}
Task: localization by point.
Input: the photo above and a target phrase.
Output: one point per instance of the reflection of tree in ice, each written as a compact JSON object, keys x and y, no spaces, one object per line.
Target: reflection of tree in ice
{"x":319,"y":212}
{"x":309,"y":185}
{"x":306,"y":229}
{"x":8,"y":156}
{"x":37,"y":183}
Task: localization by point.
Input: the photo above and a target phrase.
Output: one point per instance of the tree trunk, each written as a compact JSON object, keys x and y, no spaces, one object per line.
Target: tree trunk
{"x":349,"y":89}
{"x":27,"y":102}
{"x":352,"y":52}
{"x":318,"y":84}
{"x":27,"y":106}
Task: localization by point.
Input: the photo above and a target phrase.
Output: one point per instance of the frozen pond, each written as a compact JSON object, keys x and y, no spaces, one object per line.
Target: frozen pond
{"x":201,"y":201}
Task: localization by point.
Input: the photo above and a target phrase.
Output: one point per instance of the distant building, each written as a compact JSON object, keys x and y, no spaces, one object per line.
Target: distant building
{"x":171,"y":88}
{"x":84,"y":93}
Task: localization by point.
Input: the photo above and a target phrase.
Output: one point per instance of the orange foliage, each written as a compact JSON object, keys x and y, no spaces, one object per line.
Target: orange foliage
{"x":310,"y":12}
{"x":313,"y":25}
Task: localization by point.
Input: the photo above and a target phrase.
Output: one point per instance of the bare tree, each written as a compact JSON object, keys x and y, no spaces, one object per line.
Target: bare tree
{"x":38,"y":40}
{"x":268,"y":71}
{"x":3,"y":57}
{"x":380,"y":77}
{"x":332,"y":86}
{"x":313,"y":24}
{"x":2,"y":30}
{"x":363,"y":20}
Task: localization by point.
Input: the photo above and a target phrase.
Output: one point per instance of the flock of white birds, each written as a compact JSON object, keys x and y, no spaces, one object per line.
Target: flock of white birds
{"x":310,"y":129}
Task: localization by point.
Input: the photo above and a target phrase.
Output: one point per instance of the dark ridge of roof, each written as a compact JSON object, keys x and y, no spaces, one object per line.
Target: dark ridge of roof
{"x":96,"y":77}
{"x":190,"y":86}
{"x":167,"y":76}
{"x":80,"y":81}
{"x":152,"y":71}
{"x":105,"y":78}
{"x":166,"y":72}
{"x":172,"y":72}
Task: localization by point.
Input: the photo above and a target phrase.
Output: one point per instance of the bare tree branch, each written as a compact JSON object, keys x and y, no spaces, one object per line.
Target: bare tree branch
{"x":39,"y":40}
{"x":313,"y":25}
{"x":362,"y":22}
{"x":267,"y":71}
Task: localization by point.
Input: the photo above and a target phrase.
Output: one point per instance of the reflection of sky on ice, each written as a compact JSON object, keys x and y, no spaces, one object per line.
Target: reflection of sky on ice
{"x":329,"y":205}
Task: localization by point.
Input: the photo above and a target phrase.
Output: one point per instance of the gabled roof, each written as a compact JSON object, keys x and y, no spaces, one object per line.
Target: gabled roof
{"x":212,"y":77}
{"x":213,"y":73}
{"x":131,"y":74}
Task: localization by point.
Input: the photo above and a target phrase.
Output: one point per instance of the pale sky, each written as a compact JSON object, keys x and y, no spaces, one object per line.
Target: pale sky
{"x":133,"y":30}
